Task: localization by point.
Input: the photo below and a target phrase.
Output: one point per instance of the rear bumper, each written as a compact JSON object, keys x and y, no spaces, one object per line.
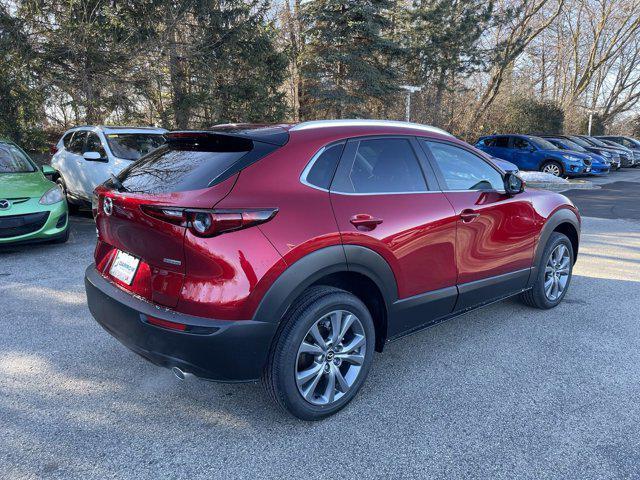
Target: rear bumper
{"x":230,"y":351}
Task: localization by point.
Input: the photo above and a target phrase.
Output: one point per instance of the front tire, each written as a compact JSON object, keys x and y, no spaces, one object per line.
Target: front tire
{"x":553,"y":274}
{"x":73,"y":208}
{"x":322,"y":354}
{"x":553,"y":168}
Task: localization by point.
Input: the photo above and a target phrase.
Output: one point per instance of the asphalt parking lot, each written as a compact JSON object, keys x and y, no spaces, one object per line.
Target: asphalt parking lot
{"x":504,"y":392}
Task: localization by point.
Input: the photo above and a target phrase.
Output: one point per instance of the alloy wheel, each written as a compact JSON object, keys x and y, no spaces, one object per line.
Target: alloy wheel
{"x":556,"y":274}
{"x":553,"y":169}
{"x":330,"y":357}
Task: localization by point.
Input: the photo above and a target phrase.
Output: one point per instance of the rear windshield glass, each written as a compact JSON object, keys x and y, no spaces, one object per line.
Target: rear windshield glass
{"x":168,"y":170}
{"x":12,"y":160}
{"x":132,"y":146}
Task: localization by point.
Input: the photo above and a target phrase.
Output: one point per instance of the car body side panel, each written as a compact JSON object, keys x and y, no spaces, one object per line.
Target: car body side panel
{"x":500,"y":240}
{"x":305,"y":221}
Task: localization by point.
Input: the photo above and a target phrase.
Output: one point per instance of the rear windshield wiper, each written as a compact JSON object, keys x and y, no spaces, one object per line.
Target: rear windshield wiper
{"x":117,"y":183}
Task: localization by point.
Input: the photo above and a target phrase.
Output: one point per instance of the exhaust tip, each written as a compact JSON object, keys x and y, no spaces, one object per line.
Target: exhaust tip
{"x":179,"y":373}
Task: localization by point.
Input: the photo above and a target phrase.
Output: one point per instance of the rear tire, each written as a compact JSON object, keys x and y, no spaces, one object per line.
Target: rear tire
{"x":553,"y":168}
{"x":554,"y":270}
{"x":311,"y":373}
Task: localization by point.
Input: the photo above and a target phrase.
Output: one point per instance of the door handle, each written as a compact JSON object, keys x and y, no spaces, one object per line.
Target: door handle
{"x":467,"y":215}
{"x":365,"y":222}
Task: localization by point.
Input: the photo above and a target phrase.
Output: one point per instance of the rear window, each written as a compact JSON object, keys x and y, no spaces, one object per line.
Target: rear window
{"x":324,"y":166}
{"x":191,"y":163}
{"x":497,"y":142}
{"x":132,"y":146}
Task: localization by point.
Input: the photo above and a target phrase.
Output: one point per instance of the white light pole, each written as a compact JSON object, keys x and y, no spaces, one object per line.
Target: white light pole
{"x":590,"y":111}
{"x":409,"y":89}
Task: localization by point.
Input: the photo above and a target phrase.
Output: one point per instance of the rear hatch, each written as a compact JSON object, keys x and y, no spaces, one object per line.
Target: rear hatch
{"x":138,"y":212}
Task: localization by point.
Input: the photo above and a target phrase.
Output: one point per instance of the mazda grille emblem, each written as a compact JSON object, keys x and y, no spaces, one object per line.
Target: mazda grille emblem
{"x":5,"y":204}
{"x":107,"y":206}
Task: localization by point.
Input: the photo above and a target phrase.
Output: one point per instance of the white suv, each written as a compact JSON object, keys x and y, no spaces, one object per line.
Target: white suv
{"x":86,"y":156}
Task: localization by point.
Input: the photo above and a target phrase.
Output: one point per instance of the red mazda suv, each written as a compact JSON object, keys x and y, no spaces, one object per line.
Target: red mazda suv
{"x":291,"y":253}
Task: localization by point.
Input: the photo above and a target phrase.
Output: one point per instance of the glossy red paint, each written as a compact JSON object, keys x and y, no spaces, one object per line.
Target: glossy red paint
{"x":496,"y":233}
{"x":422,"y":236}
{"x":416,"y":237}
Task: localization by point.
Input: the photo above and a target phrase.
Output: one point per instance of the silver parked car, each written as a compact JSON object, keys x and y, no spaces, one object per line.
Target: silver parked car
{"x":86,"y":156}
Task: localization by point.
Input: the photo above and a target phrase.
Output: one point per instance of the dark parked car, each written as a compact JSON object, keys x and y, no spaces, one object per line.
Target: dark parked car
{"x":627,"y":158}
{"x":534,"y":153}
{"x":291,"y":253}
{"x":599,"y":165}
{"x":628,"y":142}
{"x":634,"y":153}
{"x":611,"y":154}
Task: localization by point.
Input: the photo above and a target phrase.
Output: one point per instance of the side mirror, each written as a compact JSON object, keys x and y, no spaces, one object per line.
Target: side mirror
{"x":513,"y":184}
{"x":48,"y":170}
{"x":93,"y":157}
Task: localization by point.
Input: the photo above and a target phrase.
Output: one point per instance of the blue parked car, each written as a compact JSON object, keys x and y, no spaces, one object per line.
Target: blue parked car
{"x":599,"y":164}
{"x":535,"y":153}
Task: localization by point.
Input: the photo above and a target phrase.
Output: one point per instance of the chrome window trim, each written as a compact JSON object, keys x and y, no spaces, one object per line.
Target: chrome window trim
{"x":310,"y":164}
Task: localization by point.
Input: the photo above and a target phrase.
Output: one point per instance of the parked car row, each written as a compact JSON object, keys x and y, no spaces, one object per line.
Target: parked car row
{"x":564,"y":155}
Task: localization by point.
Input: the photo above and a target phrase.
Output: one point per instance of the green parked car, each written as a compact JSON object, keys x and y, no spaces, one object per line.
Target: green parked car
{"x":32,"y":208}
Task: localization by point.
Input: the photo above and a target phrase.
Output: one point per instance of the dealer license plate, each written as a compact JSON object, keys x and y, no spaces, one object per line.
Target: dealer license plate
{"x":124,"y":267}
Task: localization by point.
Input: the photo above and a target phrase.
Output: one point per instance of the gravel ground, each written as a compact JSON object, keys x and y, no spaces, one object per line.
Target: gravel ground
{"x":504,"y":392}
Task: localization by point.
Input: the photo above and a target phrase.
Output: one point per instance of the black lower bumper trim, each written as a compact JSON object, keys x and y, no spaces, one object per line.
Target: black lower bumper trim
{"x":236,"y":351}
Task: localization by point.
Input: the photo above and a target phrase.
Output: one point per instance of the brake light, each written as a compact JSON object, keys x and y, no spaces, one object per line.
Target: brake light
{"x":177,"y":216}
{"x":209,"y":223}
{"x":215,"y":222}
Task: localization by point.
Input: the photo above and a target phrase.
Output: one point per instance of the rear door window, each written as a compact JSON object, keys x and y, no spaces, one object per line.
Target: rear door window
{"x":66,"y":140}
{"x":497,"y":142}
{"x":520,"y":143}
{"x":380,"y":165}
{"x":77,"y":142}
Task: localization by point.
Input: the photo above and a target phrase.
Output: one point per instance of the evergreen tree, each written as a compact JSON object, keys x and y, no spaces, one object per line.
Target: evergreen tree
{"x":443,"y":39}
{"x":345,"y":63}
{"x":21,"y":95}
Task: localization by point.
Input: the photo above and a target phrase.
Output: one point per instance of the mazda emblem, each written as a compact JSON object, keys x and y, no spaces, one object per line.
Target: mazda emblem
{"x":107,"y":206}
{"x":5,"y":204}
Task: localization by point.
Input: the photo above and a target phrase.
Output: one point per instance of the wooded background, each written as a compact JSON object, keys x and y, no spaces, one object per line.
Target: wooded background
{"x":503,"y":66}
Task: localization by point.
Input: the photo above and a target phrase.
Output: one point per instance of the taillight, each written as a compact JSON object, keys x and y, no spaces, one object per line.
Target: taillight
{"x":177,"y":216}
{"x":209,"y":223}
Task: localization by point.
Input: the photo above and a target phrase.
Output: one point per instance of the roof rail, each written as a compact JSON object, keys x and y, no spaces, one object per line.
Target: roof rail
{"x":366,"y":123}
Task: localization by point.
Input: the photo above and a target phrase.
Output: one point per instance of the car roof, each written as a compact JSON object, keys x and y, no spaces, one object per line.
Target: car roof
{"x":347,"y":123}
{"x":119,"y":129}
{"x":279,"y":134}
